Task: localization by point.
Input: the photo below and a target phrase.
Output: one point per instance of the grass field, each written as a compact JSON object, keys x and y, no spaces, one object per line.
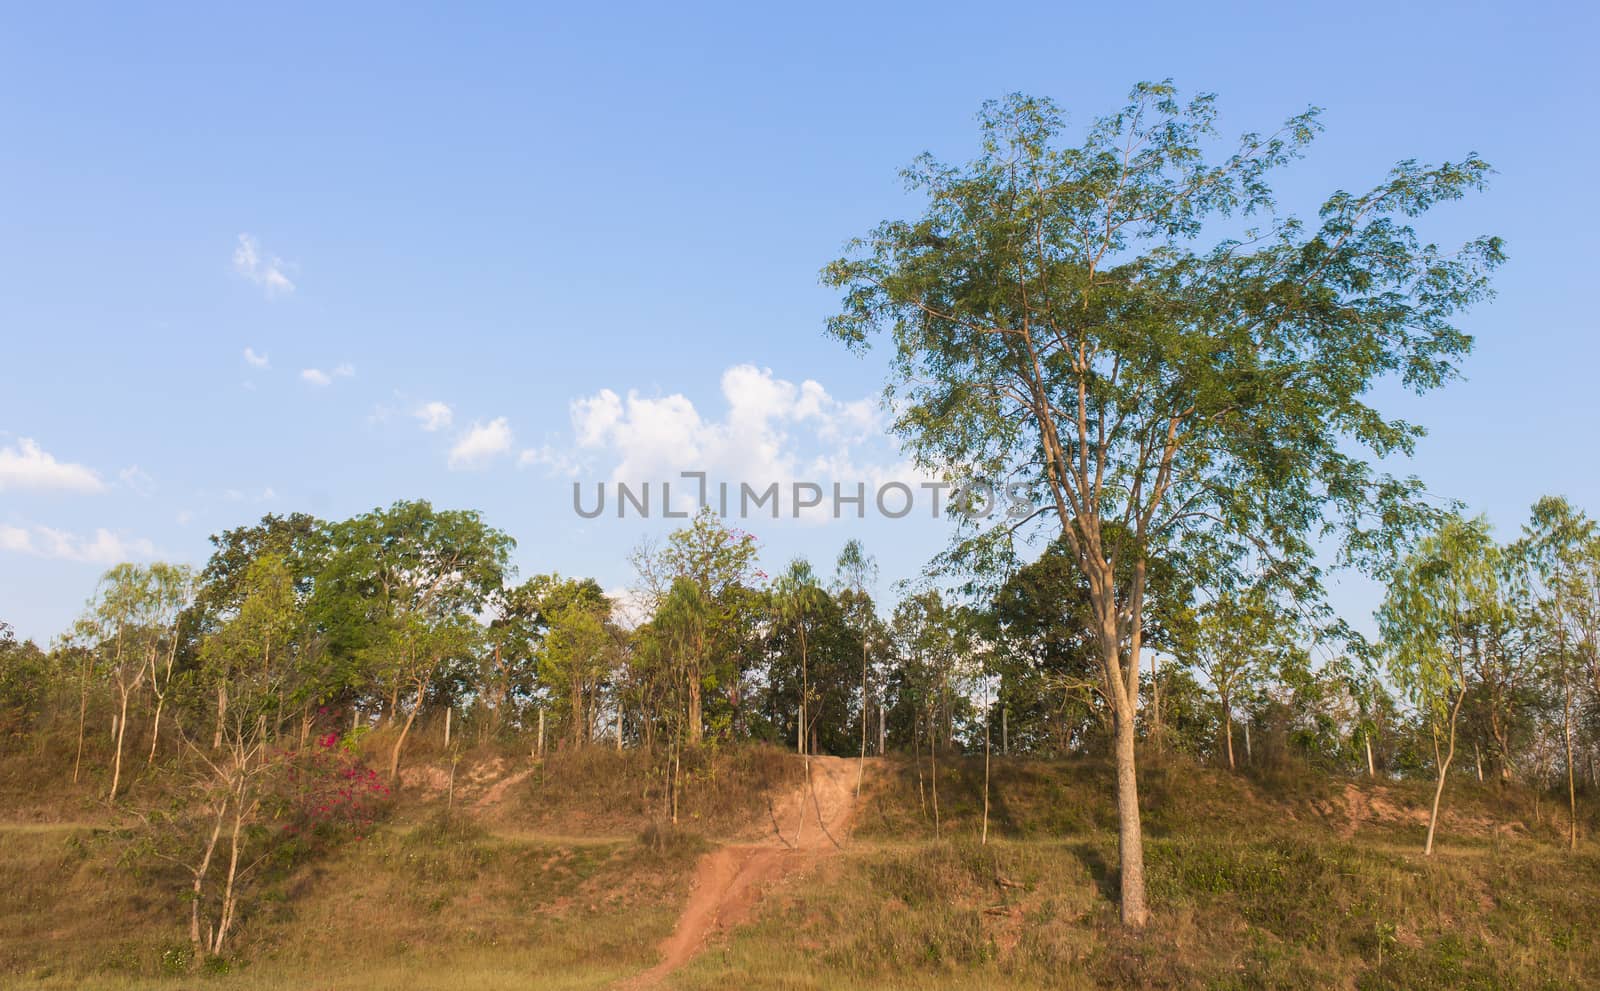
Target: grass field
{"x":1256,"y":883}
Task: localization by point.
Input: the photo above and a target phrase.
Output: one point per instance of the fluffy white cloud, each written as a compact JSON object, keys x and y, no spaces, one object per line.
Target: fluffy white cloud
{"x":256,"y":360}
{"x":104,"y":547}
{"x":318,"y":377}
{"x":434,"y":416}
{"x":772,"y":430}
{"x":266,"y":271}
{"x":25,"y":466}
{"x":481,"y":444}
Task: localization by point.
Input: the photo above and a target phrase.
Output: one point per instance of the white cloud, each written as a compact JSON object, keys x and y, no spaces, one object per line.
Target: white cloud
{"x":434,"y":416}
{"x":481,"y":444}
{"x":256,"y":360}
{"x":556,"y":461}
{"x":104,"y":547}
{"x":185,"y":517}
{"x":137,"y":479}
{"x":318,"y":377}
{"x":25,"y":466}
{"x":14,"y":538}
{"x":771,"y":430}
{"x":266,"y":271}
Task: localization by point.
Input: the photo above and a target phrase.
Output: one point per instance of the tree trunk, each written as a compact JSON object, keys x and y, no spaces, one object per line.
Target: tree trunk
{"x":200,"y":943}
{"x":83,"y":717}
{"x":411,"y":717}
{"x":1130,"y":838}
{"x":1227,"y":725}
{"x":1156,"y":730}
{"x":861,"y":768}
{"x":1572,"y":786}
{"x":1366,"y":738}
{"x":122,"y":729}
{"x":984,"y":839}
{"x":1444,"y":769}
{"x":695,"y":717}
{"x":933,"y":769}
{"x":222,"y":712}
{"x":155,"y":731}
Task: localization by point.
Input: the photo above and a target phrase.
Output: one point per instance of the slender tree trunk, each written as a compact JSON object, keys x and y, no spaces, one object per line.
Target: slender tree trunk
{"x":1366,"y":738}
{"x":229,"y":896}
{"x":83,"y":718}
{"x":222,"y":712}
{"x":984,"y":840}
{"x":122,"y":729}
{"x":861,"y":768}
{"x":1227,"y":724}
{"x":1444,"y":769}
{"x":201,"y":945}
{"x":933,"y":769}
{"x":155,"y":731}
{"x":411,"y":717}
{"x":1572,"y":786}
{"x":1157,"y":731}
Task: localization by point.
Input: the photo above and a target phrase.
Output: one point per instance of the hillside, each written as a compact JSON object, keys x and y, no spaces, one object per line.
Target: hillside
{"x":563,"y":875}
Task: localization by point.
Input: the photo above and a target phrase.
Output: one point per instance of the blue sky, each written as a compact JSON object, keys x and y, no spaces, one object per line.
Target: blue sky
{"x":510,"y":211}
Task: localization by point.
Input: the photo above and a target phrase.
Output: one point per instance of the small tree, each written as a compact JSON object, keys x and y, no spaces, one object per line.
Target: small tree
{"x":1238,"y":635}
{"x":1560,"y":546}
{"x":855,"y":570}
{"x":1438,"y":597}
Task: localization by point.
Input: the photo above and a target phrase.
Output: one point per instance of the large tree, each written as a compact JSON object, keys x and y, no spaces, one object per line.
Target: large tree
{"x":402,"y":589}
{"x":1130,"y":327}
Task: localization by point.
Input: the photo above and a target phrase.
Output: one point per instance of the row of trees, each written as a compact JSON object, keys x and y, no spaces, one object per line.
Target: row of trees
{"x":296,"y":627}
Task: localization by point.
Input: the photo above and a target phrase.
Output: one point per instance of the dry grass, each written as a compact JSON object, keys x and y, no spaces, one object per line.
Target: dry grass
{"x":1257,"y":882}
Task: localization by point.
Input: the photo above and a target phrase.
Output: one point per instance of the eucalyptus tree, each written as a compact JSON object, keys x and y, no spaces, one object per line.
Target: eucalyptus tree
{"x":797,"y":601}
{"x":720,"y":561}
{"x":132,"y":624}
{"x":854,"y":571}
{"x":1439,"y":600}
{"x":1130,"y":328}
{"x":170,"y":593}
{"x":1560,"y":545}
{"x":934,"y":641}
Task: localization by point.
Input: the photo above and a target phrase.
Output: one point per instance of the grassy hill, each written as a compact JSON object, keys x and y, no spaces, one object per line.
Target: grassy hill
{"x":562,"y":876}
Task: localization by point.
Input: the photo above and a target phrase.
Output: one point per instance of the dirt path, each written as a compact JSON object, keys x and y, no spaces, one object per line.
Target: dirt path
{"x":804,"y":827}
